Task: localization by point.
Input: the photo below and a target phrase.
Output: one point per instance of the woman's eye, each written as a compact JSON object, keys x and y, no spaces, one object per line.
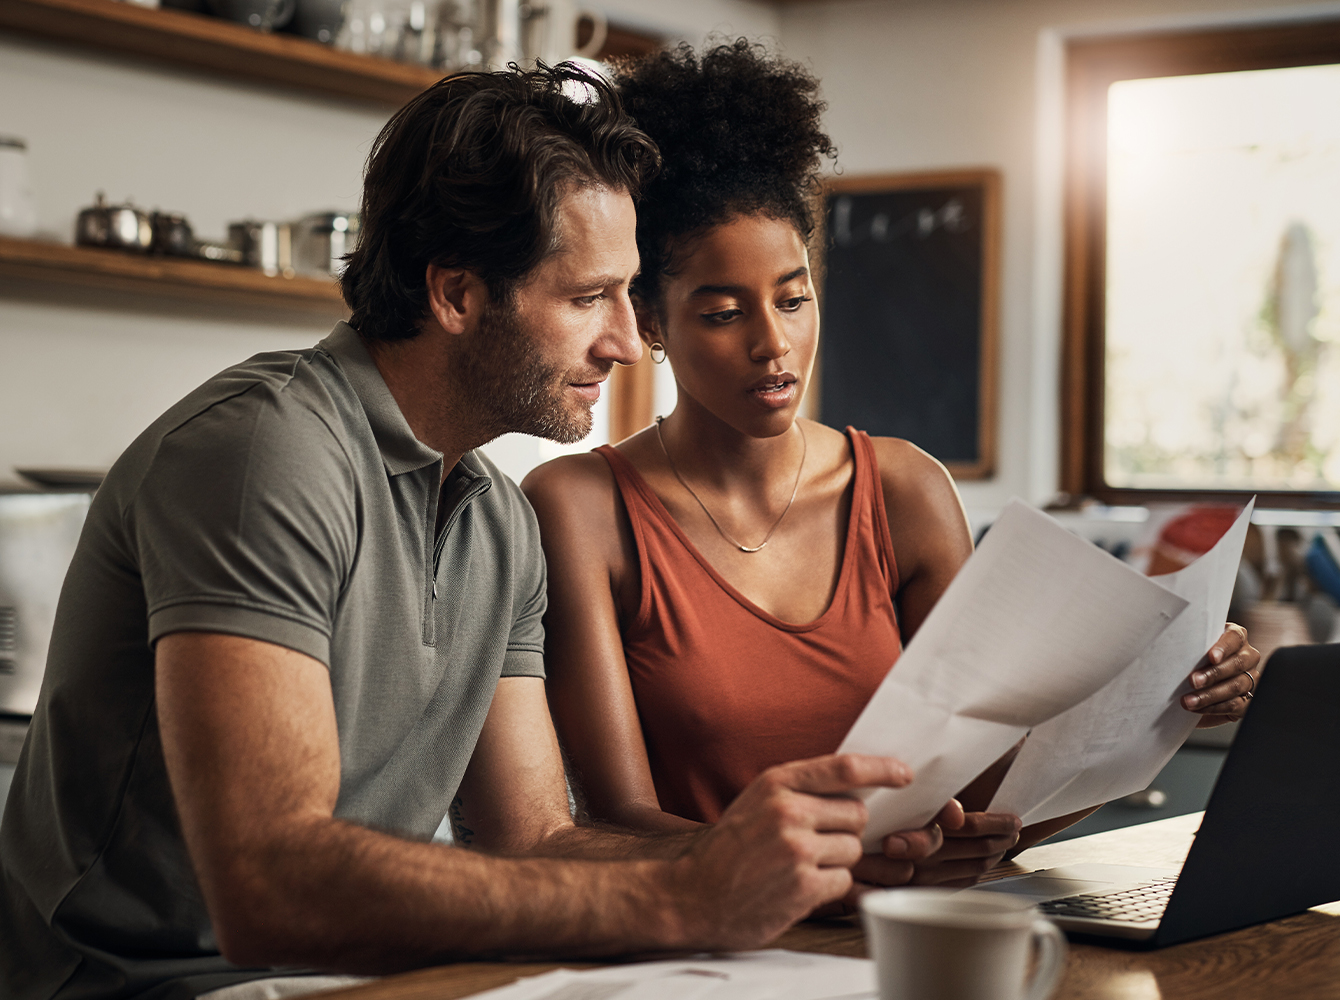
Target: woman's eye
{"x":793,"y":304}
{"x":724,"y":316}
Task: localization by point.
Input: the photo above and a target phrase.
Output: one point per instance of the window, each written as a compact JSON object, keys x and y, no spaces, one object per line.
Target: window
{"x":1202,"y":351}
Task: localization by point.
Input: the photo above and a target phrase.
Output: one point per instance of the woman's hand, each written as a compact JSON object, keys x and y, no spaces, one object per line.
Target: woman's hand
{"x":955,"y":849}
{"x":972,"y":846}
{"x":1225,"y":680}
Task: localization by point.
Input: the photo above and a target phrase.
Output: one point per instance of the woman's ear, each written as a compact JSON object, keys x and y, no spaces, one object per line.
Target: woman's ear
{"x":455,"y":297}
{"x":648,"y":323}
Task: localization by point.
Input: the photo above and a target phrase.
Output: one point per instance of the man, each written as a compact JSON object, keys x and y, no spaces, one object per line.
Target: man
{"x":304,"y":622}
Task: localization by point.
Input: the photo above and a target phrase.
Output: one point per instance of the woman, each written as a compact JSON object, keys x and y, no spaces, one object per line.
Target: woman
{"x":729,"y":586}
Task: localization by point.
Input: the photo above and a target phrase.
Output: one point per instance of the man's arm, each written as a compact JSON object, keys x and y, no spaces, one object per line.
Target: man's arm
{"x":249,"y":738}
{"x":513,"y":799}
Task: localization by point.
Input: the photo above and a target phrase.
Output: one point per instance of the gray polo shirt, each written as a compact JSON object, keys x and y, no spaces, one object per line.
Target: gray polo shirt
{"x":285,"y":500}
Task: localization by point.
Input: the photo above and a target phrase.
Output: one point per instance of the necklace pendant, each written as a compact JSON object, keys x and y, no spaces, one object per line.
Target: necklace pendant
{"x":746,"y":548}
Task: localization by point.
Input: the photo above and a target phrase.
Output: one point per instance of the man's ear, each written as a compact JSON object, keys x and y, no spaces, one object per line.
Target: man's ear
{"x":455,"y":297}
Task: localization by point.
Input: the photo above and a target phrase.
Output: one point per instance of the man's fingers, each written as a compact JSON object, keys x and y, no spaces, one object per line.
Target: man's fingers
{"x":827,"y":815}
{"x":837,"y":774}
{"x":833,"y":850}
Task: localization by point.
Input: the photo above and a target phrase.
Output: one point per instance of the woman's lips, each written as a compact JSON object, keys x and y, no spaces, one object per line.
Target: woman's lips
{"x":774,"y":392}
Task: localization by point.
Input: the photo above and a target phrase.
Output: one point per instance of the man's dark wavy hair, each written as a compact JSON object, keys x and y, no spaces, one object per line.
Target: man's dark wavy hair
{"x":470,"y":174}
{"x":740,"y":134}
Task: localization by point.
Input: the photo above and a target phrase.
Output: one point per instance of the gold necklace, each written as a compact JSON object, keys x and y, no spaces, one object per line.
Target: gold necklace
{"x":804,"y":450}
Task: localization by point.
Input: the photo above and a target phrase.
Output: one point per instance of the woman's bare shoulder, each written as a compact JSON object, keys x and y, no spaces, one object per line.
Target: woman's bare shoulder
{"x":905,"y":468}
{"x":572,"y":485}
{"x":583,"y":524}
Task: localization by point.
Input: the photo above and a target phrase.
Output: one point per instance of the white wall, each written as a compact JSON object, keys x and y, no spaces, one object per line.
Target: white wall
{"x":927,"y":84}
{"x":82,"y":373}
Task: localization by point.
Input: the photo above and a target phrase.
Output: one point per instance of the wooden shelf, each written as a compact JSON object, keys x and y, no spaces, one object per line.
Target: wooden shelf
{"x":225,"y":48}
{"x":192,"y":281}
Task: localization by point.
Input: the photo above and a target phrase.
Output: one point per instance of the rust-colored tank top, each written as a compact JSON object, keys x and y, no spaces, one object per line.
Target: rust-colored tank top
{"x":724,"y":689}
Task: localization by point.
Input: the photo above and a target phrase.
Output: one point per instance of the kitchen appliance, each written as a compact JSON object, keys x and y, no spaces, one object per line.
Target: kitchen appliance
{"x":18,"y":214}
{"x":321,"y":240}
{"x":122,"y":226}
{"x":38,"y":534}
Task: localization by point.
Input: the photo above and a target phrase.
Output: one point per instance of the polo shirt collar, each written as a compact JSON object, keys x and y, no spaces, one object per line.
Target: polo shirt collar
{"x":401,"y":451}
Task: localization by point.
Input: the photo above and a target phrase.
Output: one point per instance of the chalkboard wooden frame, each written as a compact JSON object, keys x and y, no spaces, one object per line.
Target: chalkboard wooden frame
{"x":987,"y":181}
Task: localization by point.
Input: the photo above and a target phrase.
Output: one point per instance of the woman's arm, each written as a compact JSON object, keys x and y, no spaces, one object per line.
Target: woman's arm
{"x":594,"y":584}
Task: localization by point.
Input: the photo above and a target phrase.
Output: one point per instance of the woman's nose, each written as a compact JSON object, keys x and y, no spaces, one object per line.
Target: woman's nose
{"x":771,"y":340}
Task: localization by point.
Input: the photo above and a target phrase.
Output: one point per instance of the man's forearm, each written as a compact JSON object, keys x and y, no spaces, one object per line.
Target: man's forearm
{"x":336,"y":895}
{"x":598,"y":841}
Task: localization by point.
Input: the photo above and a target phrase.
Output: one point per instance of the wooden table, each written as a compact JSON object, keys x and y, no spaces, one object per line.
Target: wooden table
{"x":1294,"y":957}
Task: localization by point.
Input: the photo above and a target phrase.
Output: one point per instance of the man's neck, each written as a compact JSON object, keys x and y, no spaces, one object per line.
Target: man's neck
{"x":420,"y":373}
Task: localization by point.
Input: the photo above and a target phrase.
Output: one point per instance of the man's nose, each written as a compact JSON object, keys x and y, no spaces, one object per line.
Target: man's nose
{"x":619,"y":342}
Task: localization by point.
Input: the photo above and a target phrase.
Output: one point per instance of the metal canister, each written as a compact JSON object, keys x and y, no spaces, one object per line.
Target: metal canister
{"x":265,"y":245}
{"x":322,"y":240}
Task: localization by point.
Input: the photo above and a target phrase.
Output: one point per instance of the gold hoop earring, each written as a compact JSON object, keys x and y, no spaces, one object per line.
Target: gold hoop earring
{"x":657,"y":352}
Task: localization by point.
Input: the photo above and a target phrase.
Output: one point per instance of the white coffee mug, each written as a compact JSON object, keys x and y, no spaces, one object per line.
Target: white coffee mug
{"x":942,"y":944}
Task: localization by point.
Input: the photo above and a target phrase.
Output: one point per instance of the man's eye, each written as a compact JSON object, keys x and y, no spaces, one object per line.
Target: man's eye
{"x":793,"y":304}
{"x":724,"y":316}
{"x":590,"y":300}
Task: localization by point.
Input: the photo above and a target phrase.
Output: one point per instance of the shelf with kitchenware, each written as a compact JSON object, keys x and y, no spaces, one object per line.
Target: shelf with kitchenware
{"x":222,"y":47}
{"x":185,"y":281}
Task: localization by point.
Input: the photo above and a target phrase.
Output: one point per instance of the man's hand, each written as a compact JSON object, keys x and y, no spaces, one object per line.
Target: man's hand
{"x":1225,"y":679}
{"x":784,"y":847}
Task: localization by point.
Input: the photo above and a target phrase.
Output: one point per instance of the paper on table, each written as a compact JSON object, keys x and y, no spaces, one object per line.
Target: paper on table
{"x":756,"y":975}
{"x":1035,"y":622}
{"x":1116,"y":741}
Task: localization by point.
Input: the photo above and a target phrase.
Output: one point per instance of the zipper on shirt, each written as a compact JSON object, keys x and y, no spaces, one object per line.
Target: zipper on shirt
{"x":478,"y":486}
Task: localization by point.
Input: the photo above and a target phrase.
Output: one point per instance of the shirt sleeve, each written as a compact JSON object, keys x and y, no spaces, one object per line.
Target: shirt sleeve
{"x":525,"y":644}
{"x":246,"y":524}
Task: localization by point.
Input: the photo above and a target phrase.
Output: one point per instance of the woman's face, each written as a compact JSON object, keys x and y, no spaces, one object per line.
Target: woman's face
{"x":740,"y":324}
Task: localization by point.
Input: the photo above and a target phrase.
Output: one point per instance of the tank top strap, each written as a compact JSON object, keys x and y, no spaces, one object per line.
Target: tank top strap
{"x":863,"y":450}
{"x":643,"y":509}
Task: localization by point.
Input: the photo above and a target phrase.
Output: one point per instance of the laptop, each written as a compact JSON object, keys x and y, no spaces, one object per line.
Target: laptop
{"x":1266,"y":844}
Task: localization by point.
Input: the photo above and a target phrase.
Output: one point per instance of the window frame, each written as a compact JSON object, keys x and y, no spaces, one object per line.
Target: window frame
{"x":1092,"y":65}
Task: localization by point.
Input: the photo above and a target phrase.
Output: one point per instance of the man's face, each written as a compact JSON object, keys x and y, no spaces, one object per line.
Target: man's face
{"x":539,"y":360}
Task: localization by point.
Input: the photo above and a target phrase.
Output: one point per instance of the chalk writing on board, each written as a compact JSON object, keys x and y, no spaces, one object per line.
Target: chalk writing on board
{"x":922,"y":223}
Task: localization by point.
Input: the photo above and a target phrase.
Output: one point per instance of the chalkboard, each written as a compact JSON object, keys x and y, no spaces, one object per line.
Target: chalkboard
{"x":909,"y":312}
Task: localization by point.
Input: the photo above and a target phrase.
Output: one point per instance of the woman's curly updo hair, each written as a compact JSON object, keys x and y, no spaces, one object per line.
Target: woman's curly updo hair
{"x":739,"y":134}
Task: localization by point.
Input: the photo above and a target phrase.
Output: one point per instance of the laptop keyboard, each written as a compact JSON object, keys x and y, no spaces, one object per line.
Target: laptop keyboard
{"x":1136,"y":906}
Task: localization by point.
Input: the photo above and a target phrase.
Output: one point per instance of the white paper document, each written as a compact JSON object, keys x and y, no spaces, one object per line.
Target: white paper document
{"x":1117,"y":740}
{"x":749,"y":975}
{"x":1035,"y":622}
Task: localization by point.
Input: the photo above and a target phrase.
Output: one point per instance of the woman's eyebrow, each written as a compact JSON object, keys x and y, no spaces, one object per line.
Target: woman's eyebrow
{"x":799,"y":272}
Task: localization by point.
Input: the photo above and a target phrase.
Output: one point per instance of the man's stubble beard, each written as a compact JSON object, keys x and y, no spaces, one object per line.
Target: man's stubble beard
{"x":511,"y":388}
